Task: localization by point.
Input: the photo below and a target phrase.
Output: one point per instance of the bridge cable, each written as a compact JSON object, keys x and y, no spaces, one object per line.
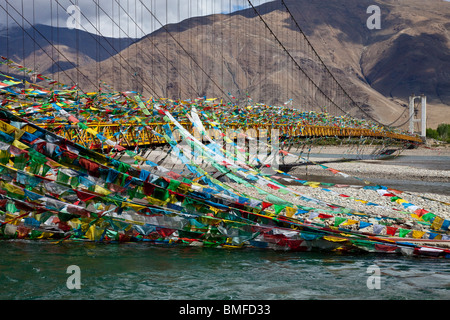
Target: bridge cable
{"x":323,"y":64}
{"x":112,"y":46}
{"x":143,"y":51}
{"x":295,"y":62}
{"x":45,"y":38}
{"x":185,"y":51}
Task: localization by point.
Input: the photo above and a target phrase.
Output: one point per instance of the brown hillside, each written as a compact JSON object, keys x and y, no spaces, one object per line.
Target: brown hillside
{"x":235,"y":53}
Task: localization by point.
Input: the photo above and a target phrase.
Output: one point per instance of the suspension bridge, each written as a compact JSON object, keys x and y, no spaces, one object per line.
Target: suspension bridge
{"x":171,"y":63}
{"x":227,"y":74}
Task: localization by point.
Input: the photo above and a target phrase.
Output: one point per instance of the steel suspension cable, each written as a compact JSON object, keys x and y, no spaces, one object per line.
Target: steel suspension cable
{"x":112,"y":46}
{"x":154,"y":46}
{"x":323,"y":64}
{"x":293,"y":59}
{"x":185,"y":51}
{"x":45,"y":38}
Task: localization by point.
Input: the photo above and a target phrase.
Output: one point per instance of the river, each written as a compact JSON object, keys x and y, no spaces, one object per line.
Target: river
{"x":32,"y":270}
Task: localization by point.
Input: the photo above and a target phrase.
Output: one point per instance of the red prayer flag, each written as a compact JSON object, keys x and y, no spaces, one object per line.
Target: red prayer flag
{"x":273,"y":186}
{"x":391,"y":231}
{"x":420,"y":212}
{"x":265,"y":205}
{"x":84,"y":196}
{"x":389,"y":195}
{"x":385,"y":247}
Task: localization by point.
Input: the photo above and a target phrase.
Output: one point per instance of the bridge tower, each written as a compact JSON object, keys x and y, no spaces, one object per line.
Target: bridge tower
{"x":413,"y":113}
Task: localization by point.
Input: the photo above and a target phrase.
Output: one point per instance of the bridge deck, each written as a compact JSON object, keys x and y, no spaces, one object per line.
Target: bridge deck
{"x":132,"y":135}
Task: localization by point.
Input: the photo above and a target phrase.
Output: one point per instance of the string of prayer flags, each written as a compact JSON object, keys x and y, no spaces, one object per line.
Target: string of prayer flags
{"x":54,"y":188}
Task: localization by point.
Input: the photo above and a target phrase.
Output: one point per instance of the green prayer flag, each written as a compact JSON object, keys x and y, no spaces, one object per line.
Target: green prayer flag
{"x":74,"y":182}
{"x":131,"y":192}
{"x":276,"y":200}
{"x":11,"y":207}
{"x":62,"y":177}
{"x":4,"y":156}
{"x":428,"y":216}
{"x":278,"y":208}
{"x":123,"y":167}
{"x":262,"y":192}
{"x":20,"y":162}
{"x":45,"y":168}
{"x":161,"y":194}
{"x":82,"y":125}
{"x":173,"y":185}
{"x":35,"y":167}
{"x":403,"y":232}
{"x":338,"y":221}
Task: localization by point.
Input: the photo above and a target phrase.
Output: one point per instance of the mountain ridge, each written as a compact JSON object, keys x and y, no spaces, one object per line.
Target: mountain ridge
{"x":380,"y":69}
{"x":75,"y":45}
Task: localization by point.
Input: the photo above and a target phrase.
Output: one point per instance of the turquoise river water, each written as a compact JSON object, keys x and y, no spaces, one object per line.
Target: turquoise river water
{"x":140,"y":271}
{"x":32,"y":270}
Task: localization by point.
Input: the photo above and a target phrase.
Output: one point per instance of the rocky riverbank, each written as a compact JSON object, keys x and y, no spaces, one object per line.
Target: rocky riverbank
{"x":346,"y":187}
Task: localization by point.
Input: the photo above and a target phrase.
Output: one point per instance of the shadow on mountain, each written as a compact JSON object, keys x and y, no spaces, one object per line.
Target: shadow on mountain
{"x":21,"y":44}
{"x":413,"y":64}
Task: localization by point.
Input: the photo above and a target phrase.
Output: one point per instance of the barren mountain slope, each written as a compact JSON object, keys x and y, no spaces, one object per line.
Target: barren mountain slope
{"x":235,"y":53}
{"x":49,"y":50}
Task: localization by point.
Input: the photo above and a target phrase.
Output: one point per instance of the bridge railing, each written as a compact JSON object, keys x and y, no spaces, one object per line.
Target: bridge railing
{"x":325,"y":131}
{"x":132,"y":135}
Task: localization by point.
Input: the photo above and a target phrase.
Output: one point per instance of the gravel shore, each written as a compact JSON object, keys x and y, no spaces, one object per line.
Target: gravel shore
{"x":348,"y":191}
{"x":374,"y":168}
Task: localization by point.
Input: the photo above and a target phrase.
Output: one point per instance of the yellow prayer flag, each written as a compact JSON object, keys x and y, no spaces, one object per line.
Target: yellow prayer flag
{"x":5,"y":127}
{"x":139,"y":158}
{"x":94,"y":233}
{"x":29,"y":129}
{"x":45,"y":235}
{"x":12,"y":189}
{"x":334,"y":239}
{"x":437,"y":223}
{"x":101,"y":190}
{"x":418,"y":234}
{"x":18,"y":134}
{"x":214,"y":209}
{"x":12,"y":219}
{"x":290,"y":211}
{"x":155,"y":201}
{"x":91,"y":131}
{"x":74,"y":223}
{"x":349,"y":222}
{"x":20,"y":145}
{"x":135,"y":207}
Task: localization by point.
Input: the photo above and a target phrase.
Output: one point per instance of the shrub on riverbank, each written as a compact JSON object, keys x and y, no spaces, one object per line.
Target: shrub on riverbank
{"x":442,"y":133}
